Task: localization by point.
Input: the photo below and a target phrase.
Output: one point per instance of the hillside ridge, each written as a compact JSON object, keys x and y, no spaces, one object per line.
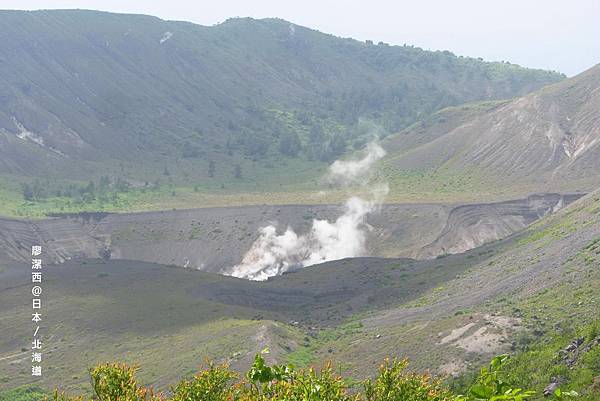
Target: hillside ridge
{"x":546,"y":140}
{"x":89,"y":93}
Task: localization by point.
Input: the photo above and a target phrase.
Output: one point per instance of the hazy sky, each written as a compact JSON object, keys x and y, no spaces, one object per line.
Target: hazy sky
{"x":550,"y":34}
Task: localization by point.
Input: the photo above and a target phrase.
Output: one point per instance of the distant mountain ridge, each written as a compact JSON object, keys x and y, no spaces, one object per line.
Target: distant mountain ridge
{"x":82,"y":91}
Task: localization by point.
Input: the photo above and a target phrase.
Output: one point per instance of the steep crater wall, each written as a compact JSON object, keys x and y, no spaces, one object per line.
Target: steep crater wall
{"x":213,"y":239}
{"x":470,"y":226}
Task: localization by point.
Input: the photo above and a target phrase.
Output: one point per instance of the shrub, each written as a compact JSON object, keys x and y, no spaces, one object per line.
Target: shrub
{"x":63,"y":397}
{"x":33,"y":393}
{"x":490,"y":386}
{"x":394,"y":383}
{"x":114,"y":382}
{"x":211,"y":384}
{"x":283,"y":383}
{"x":117,"y":382}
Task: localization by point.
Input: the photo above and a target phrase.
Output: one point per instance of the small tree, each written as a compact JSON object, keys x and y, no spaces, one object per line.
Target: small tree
{"x":27,"y":192}
{"x":104,"y":183}
{"x":117,"y":382}
{"x":212,"y":384}
{"x":290,"y":144}
{"x":237,"y":171}
{"x":395,"y":383}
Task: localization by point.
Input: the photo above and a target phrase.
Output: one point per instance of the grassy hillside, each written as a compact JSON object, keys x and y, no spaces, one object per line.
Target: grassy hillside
{"x":158,"y":103}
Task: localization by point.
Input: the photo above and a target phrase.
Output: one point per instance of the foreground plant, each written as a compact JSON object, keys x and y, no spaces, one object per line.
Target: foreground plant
{"x":394,"y":382}
{"x":490,"y":386}
{"x":115,"y":382}
{"x":282,"y":382}
{"x":211,"y":384}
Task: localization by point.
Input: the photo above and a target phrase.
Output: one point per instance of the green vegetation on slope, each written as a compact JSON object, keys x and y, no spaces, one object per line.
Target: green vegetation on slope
{"x":548,"y":360}
{"x":24,"y":394}
{"x":90,"y":94}
{"x":570,"y":358}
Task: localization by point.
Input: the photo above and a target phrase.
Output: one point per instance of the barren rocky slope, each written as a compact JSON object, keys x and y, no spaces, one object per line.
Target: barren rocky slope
{"x":216,"y":238}
{"x":548,"y":139}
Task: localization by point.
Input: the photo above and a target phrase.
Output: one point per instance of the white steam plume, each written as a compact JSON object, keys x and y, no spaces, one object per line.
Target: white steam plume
{"x":273,"y":254}
{"x":348,"y":172}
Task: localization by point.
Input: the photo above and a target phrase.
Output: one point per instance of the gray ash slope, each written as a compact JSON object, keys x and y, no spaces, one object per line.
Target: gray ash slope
{"x":117,"y":305}
{"x":214,"y":239}
{"x":548,"y":139}
{"x":376,"y":307}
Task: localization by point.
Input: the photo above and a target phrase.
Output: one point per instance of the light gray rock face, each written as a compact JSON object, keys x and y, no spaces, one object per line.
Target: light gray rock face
{"x":470,"y":226}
